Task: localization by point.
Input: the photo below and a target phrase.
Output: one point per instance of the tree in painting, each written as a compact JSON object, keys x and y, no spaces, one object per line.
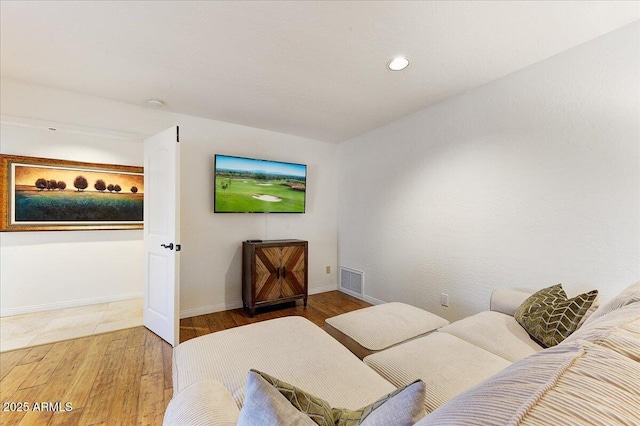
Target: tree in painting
{"x":100,"y":185}
{"x":80,"y":183}
{"x":52,"y":184}
{"x":117,"y":188}
{"x":41,"y":184}
{"x":61,"y":185}
{"x":134,"y":189}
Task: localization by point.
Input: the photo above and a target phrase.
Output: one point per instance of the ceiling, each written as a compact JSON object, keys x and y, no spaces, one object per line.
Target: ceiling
{"x":309,"y":68}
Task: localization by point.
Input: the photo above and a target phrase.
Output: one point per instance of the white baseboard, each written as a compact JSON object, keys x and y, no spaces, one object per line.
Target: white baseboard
{"x":68,"y":304}
{"x":323,"y":289}
{"x":203,"y":310}
{"x":364,"y":297}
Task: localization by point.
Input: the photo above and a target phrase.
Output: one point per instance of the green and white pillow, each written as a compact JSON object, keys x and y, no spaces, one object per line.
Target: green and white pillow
{"x":550,"y":317}
{"x":269,"y":401}
{"x":543,"y":298}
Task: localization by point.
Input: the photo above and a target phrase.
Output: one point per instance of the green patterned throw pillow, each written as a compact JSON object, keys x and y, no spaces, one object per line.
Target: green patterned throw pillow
{"x":550,"y":317}
{"x":540,"y":299}
{"x":402,"y":407}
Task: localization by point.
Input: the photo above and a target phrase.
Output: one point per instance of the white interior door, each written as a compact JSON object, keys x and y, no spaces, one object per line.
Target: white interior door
{"x":161,"y":312}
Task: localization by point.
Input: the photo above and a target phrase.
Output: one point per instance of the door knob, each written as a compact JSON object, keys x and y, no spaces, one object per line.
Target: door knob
{"x":169,"y":246}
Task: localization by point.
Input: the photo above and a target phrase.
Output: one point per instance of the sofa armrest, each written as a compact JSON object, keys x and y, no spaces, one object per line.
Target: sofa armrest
{"x":507,"y":301}
{"x":203,"y":403}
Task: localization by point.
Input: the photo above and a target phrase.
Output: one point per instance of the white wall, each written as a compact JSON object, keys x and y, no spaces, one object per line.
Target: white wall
{"x":210,"y":272}
{"x":212,"y":256}
{"x":57,"y":269}
{"x":525,"y":182}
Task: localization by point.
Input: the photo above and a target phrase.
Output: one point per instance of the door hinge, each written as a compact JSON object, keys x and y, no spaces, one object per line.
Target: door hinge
{"x":178,"y":247}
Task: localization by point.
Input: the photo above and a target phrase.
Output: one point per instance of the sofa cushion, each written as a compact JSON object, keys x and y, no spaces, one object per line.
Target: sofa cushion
{"x":495,"y":332}
{"x":203,"y":403}
{"x":290,"y":348}
{"x":618,"y":330}
{"x":286,"y":404}
{"x":446,"y":364}
{"x":562,"y":385}
{"x":368,"y":330}
{"x":507,"y":301}
{"x":629,"y":295}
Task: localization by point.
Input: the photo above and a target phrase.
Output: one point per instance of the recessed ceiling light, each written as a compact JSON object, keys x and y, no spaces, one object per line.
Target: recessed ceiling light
{"x":155,"y":103}
{"x":398,"y":64}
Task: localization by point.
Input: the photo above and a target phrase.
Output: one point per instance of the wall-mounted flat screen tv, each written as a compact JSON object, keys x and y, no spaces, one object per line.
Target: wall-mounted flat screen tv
{"x":248,"y":185}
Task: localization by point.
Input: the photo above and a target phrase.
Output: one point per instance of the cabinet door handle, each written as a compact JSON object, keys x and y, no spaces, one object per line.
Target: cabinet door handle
{"x":284,"y":272}
{"x":278,"y":273}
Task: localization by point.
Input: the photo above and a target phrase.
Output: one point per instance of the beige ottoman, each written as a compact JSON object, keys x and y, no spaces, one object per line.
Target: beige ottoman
{"x":369,"y":330}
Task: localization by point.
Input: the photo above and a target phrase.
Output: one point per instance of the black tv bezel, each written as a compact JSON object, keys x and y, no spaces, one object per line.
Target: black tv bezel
{"x":215,"y":188}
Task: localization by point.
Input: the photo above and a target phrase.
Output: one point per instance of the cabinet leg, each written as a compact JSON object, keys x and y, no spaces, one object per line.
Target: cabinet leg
{"x":305,"y":302}
{"x":252,"y":311}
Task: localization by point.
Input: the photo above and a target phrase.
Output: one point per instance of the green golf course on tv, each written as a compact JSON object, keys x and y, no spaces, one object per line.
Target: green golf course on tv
{"x":247,"y":185}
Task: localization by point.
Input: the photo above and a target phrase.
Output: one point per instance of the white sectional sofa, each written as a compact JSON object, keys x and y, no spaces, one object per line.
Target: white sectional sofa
{"x":291,"y":348}
{"x":460,"y":355}
{"x":482,"y":370}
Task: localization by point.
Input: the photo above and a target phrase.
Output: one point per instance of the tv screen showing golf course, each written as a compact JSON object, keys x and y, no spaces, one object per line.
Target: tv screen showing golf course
{"x":247,"y":185}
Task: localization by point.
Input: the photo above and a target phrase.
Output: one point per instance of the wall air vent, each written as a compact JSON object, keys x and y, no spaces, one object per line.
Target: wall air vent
{"x":352,"y":281}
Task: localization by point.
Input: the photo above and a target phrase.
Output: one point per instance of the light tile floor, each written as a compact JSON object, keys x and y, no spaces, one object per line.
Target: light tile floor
{"x":26,"y":330}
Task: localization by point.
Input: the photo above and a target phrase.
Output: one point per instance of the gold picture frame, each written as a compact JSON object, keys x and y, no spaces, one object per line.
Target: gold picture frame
{"x":44,"y":194}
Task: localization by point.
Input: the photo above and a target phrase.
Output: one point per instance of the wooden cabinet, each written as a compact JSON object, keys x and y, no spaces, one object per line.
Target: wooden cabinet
{"x":274,"y":271}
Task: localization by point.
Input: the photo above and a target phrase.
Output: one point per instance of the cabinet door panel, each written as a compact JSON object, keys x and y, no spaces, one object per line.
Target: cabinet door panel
{"x":293,"y":261}
{"x":267,"y":285}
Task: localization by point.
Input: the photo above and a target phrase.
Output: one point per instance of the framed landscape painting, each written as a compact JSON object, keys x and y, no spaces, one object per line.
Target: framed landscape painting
{"x":41,"y":194}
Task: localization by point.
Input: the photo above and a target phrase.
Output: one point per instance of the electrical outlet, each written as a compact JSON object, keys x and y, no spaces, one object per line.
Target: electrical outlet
{"x":328,"y":269}
{"x":444,"y":299}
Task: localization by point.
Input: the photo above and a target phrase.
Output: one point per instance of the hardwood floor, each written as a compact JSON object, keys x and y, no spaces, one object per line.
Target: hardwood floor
{"x":121,"y":377}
